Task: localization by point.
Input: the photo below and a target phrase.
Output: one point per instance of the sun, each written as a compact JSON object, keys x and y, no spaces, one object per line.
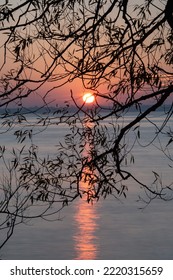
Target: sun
{"x":88,"y":97}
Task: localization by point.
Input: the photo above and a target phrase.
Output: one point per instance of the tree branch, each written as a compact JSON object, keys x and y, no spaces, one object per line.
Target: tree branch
{"x":169,"y":13}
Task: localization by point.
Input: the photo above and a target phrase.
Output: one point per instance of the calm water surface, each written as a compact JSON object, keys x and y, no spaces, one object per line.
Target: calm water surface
{"x":109,"y":229}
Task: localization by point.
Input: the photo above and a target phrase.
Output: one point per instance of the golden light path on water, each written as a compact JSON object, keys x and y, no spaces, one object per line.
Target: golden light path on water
{"x":86,"y":221}
{"x":86,"y":241}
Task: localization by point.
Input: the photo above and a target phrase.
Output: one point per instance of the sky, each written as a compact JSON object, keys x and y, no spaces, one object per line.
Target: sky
{"x":57,"y":94}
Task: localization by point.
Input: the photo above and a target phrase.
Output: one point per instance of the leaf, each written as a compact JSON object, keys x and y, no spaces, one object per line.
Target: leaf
{"x":169,"y":142}
{"x":136,"y":127}
{"x":132,"y":159}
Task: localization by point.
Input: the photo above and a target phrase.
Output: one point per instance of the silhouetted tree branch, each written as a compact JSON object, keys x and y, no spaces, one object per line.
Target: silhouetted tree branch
{"x":169,"y":13}
{"x":123,"y":54}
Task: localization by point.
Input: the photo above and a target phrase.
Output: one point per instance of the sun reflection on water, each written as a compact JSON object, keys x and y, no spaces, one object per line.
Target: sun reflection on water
{"x":86,"y":240}
{"x":86,"y":221}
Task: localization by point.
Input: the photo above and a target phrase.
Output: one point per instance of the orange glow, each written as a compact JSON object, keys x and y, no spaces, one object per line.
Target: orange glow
{"x":86,"y":240}
{"x":88,"y":97}
{"x":86,"y":220}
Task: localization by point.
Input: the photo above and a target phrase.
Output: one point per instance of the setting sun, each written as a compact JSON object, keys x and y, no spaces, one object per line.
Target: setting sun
{"x":88,"y":97}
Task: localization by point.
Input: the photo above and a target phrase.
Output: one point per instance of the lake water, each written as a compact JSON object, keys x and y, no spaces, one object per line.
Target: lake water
{"x":109,"y":229}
